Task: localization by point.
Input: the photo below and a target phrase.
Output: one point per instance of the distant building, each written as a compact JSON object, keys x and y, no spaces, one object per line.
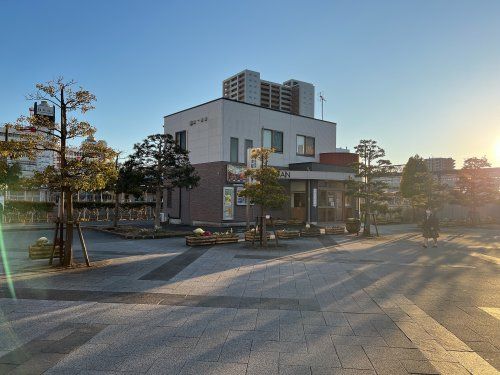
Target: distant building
{"x":28,"y":166}
{"x":440,"y":164}
{"x":292,"y":96}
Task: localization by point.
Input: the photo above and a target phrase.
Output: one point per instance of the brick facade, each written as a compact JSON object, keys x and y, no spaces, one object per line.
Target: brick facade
{"x":204,"y":203}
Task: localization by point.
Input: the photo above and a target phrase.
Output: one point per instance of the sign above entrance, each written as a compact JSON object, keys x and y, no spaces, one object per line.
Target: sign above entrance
{"x":236,"y":174}
{"x":314,"y":175}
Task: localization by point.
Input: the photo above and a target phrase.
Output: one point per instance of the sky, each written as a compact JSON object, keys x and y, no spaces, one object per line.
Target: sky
{"x":419,"y":76}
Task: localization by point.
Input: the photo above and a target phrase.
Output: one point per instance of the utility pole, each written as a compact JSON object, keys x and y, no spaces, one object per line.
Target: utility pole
{"x":322,"y":99}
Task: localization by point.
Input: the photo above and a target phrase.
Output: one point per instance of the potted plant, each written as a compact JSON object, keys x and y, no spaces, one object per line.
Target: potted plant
{"x":353,"y":225}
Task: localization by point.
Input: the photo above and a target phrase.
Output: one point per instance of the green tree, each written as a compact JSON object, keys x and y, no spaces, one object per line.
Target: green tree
{"x":415,"y":181}
{"x":475,"y":186}
{"x":163,"y":165}
{"x":128,"y":181}
{"x":10,"y":174}
{"x":264,"y":188}
{"x":369,"y":186}
{"x":90,"y":171}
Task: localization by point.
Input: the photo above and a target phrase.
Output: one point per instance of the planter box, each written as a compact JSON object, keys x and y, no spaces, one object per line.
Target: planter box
{"x":287,"y":234}
{"x":294,"y":222}
{"x":334,"y":230}
{"x":42,"y":252}
{"x":226,"y":239}
{"x":311,"y":232}
{"x":255,"y":236}
{"x":200,"y":240}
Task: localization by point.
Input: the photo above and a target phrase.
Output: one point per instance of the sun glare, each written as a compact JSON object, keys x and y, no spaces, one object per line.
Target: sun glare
{"x":497,"y":151}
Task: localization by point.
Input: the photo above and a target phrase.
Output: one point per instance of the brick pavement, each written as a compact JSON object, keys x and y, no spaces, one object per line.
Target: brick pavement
{"x":380,"y":306}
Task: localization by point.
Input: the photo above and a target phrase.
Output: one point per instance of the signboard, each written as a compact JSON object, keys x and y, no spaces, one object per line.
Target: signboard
{"x":236,"y":174}
{"x":43,"y":109}
{"x":253,"y":163}
{"x":227,"y":203}
{"x":315,"y":197}
{"x":284,"y":175}
{"x":240,"y":201}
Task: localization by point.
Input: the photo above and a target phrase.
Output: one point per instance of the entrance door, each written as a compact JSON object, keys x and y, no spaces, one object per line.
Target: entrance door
{"x":299,"y":209}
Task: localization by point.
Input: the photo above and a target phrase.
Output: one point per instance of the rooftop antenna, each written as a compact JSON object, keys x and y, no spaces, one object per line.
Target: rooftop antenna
{"x":322,"y":99}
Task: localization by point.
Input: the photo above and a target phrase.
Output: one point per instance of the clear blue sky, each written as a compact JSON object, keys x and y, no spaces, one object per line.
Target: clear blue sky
{"x":420,"y":76}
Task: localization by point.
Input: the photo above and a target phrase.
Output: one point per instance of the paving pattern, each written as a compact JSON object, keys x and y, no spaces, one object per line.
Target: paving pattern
{"x":330,"y":305}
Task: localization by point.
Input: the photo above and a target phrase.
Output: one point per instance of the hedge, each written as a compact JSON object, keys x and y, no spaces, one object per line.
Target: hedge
{"x":27,"y":206}
{"x":125,"y":205}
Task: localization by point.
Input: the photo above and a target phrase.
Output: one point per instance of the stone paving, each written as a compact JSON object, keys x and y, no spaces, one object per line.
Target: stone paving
{"x":328,"y":305}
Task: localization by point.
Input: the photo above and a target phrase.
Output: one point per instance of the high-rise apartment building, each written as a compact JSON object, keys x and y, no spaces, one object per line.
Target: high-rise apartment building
{"x":292,"y":96}
{"x":440,"y":164}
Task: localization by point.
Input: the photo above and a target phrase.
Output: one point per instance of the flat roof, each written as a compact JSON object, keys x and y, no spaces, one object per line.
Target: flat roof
{"x":253,"y":105}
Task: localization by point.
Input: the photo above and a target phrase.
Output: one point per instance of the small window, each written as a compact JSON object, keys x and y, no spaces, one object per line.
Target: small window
{"x":180,"y":139}
{"x":234,"y":150}
{"x":248,"y":144}
{"x":305,"y":145}
{"x":272,"y":139}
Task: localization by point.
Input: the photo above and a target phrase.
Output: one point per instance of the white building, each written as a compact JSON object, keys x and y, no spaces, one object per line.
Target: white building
{"x":28,"y":166}
{"x":292,"y":96}
{"x":218,"y":135}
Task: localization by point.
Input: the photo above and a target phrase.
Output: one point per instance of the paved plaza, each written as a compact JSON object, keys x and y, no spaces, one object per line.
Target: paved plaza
{"x":326,"y":305}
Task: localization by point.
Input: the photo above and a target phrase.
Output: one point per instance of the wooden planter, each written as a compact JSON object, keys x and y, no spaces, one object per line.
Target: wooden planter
{"x":311,"y":232}
{"x":255,"y":236}
{"x":287,"y":234}
{"x":334,"y":230}
{"x":42,"y":252}
{"x":226,"y":239}
{"x":200,"y":240}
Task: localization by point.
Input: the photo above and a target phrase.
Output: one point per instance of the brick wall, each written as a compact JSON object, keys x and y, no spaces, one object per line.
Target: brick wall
{"x":338,"y":158}
{"x":204,"y":202}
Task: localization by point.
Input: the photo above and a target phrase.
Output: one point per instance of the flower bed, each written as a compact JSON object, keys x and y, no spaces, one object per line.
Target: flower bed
{"x":42,"y":251}
{"x":228,"y":237}
{"x":200,"y":240}
{"x":310,"y":232}
{"x":335,"y":230}
{"x":287,"y":234}
{"x":255,"y":236}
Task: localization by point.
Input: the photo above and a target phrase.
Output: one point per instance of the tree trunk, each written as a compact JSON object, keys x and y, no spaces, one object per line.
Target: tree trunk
{"x":117,"y":209}
{"x":367,"y":226}
{"x":68,"y":245}
{"x":263,"y":230}
{"x":158,"y":207}
{"x":414,"y":216}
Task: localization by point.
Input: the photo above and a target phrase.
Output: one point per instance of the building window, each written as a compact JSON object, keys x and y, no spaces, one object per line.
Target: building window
{"x":305,"y":145}
{"x":248,"y":144}
{"x":272,"y":139}
{"x":234,"y":150}
{"x":180,"y":139}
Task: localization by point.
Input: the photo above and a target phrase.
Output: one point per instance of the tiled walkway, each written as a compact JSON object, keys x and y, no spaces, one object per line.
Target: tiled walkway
{"x":312,"y":307}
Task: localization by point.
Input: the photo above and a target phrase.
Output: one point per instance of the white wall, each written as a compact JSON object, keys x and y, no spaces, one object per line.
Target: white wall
{"x":210,"y":141}
{"x":203,"y":138}
{"x":246,"y":122}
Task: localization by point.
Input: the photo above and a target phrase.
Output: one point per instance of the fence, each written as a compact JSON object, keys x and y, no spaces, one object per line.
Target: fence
{"x":81,"y":214}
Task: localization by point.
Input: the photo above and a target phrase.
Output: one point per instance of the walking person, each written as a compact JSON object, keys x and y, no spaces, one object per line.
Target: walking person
{"x":430,"y":228}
